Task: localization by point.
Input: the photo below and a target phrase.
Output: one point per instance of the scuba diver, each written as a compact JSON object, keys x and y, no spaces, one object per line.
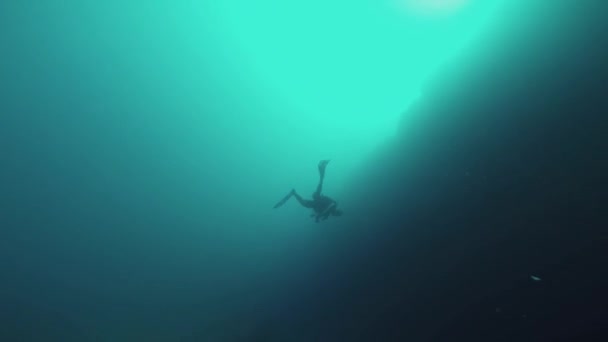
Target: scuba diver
{"x":323,"y":206}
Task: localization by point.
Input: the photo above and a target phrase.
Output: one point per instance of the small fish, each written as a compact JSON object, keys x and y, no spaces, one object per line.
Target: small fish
{"x":535,"y":278}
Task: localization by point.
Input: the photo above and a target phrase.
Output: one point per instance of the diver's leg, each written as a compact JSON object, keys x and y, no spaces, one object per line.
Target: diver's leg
{"x":305,"y":203}
{"x":322,"y":166}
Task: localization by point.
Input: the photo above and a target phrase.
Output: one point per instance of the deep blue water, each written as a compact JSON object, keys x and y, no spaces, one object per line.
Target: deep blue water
{"x":137,"y":192}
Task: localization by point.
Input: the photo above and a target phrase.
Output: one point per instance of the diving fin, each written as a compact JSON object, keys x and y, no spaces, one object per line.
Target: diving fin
{"x":322,"y":166}
{"x":283,"y":200}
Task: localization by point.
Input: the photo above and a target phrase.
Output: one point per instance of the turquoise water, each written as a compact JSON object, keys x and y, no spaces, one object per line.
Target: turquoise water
{"x":146,"y":142}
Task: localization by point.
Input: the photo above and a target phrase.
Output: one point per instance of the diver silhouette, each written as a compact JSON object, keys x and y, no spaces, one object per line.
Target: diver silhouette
{"x":323,"y":206}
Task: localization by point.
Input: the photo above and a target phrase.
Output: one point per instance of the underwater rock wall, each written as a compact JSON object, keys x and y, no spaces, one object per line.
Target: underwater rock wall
{"x":497,"y":175}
